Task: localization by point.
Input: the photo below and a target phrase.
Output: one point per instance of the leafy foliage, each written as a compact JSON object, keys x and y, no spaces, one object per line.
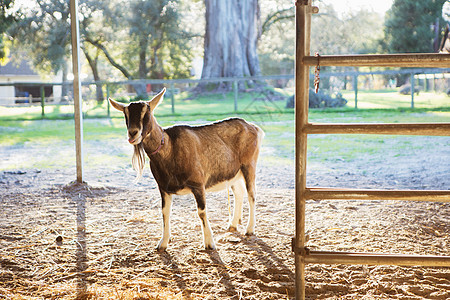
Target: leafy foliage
{"x":44,"y":33}
{"x":355,"y":33}
{"x":408,"y":26}
{"x":143,"y":39}
{"x":6,"y":19}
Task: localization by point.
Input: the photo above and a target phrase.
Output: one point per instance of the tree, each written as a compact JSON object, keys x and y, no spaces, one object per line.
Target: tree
{"x":90,"y":23}
{"x":408,"y":26}
{"x":43,"y":32}
{"x":143,"y":40}
{"x":6,"y":20}
{"x":276,"y":47}
{"x":231,"y":37}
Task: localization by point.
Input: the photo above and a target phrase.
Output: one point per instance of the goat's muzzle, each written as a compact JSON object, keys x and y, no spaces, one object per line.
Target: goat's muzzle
{"x":134,"y":137}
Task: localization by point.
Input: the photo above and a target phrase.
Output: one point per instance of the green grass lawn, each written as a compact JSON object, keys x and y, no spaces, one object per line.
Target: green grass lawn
{"x":21,"y":128}
{"x":224,"y":104}
{"x":393,"y":99}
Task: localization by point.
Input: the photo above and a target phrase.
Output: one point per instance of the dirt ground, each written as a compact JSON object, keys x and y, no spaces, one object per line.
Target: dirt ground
{"x":60,"y":240}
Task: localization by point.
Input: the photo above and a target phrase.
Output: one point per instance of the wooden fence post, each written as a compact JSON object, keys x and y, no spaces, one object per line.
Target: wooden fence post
{"x":78,"y":103}
{"x":302,"y":49}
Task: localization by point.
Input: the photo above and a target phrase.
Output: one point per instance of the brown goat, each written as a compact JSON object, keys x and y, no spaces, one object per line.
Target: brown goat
{"x":195,"y":159}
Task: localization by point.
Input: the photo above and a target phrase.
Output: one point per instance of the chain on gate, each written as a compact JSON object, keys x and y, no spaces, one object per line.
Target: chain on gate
{"x":317,"y":73}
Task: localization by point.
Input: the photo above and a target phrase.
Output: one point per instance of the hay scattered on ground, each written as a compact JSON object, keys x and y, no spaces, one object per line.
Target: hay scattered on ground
{"x":66,"y":241}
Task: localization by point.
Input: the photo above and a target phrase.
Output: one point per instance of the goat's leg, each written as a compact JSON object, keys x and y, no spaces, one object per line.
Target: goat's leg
{"x":166,"y":208}
{"x":208,"y":239}
{"x":250,"y":176}
{"x":238,"y":191}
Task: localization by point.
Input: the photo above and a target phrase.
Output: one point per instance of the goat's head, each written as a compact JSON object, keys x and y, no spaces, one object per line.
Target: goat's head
{"x":138,"y":117}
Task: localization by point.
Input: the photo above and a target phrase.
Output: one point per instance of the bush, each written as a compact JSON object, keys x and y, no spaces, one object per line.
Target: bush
{"x":406,"y":89}
{"x":320,"y":100}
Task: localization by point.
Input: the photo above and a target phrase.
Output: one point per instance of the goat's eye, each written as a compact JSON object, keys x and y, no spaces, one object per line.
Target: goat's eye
{"x":126,"y":120}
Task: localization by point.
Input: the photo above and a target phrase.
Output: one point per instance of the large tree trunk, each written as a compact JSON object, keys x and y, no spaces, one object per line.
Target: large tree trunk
{"x":232,"y":31}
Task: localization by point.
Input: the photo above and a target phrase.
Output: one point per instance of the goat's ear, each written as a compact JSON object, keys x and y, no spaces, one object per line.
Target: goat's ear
{"x":156,"y":100}
{"x":117,"y":105}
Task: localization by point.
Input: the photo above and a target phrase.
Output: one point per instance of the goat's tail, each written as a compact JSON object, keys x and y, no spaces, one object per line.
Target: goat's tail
{"x":138,"y":160}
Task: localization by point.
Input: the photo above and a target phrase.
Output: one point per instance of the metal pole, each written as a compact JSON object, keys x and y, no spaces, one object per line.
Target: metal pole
{"x":303,"y":32}
{"x":42,"y":101}
{"x":172,"y":98}
{"x":412,"y":90}
{"x":78,"y":107}
{"x":355,"y":87}
{"x":108,"y":108}
{"x":235,"y":85}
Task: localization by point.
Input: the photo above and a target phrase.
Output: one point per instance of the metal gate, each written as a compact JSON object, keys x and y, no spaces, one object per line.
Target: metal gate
{"x":303,"y":128}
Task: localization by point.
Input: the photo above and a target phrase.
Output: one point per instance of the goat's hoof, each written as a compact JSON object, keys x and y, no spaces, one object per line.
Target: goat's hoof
{"x":210,"y":247}
{"x":232,"y":228}
{"x":249,"y":233}
{"x":161,"y":246}
{"x":161,"y":249}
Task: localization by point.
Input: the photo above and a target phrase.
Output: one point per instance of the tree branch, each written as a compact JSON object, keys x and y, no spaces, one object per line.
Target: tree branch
{"x":276,"y":17}
{"x":109,"y":57}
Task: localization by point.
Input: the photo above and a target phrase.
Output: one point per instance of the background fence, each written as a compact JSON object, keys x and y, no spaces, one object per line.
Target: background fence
{"x":230,"y":95}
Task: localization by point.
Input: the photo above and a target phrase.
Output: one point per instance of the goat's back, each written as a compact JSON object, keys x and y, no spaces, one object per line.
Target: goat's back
{"x":219,"y":150}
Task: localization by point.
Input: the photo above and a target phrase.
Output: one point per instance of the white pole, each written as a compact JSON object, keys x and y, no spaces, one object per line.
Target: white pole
{"x":78,"y":112}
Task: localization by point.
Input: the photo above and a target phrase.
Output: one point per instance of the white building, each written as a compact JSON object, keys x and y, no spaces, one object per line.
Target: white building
{"x":15,"y":91}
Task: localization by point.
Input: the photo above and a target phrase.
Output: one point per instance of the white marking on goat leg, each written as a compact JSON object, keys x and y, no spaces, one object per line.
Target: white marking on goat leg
{"x":166,"y":209}
{"x":251,"y":218}
{"x":238,"y":191}
{"x":208,"y":239}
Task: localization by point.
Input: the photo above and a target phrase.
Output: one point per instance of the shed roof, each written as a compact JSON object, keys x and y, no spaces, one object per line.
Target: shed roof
{"x":13,"y":68}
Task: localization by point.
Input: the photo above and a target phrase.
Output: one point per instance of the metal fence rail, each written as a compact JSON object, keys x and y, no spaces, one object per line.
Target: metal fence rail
{"x":303,"y":128}
{"x":174,"y":86}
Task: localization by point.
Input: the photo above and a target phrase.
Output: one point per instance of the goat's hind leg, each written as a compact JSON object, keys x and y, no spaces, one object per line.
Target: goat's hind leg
{"x":238,"y":191}
{"x":208,"y":239}
{"x":250,"y":183}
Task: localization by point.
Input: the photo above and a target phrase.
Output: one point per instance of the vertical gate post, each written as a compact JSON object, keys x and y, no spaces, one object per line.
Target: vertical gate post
{"x":303,"y":32}
{"x":78,"y":105}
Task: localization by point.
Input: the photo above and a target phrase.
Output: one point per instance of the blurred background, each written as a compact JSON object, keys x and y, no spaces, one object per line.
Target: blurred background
{"x":214,"y":57}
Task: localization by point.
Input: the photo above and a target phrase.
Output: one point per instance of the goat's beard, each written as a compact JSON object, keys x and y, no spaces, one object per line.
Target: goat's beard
{"x":138,"y":160}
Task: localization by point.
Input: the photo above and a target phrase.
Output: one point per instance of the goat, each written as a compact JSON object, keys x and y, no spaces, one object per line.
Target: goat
{"x":195,"y":159}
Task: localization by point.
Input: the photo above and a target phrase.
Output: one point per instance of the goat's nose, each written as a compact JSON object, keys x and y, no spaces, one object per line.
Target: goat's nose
{"x":133,"y":132}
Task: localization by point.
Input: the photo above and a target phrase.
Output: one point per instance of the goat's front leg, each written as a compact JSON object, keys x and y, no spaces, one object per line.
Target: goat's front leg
{"x":166,"y":208}
{"x":208,"y":239}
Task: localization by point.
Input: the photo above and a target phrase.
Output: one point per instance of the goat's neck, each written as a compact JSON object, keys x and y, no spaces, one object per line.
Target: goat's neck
{"x":153,"y":140}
